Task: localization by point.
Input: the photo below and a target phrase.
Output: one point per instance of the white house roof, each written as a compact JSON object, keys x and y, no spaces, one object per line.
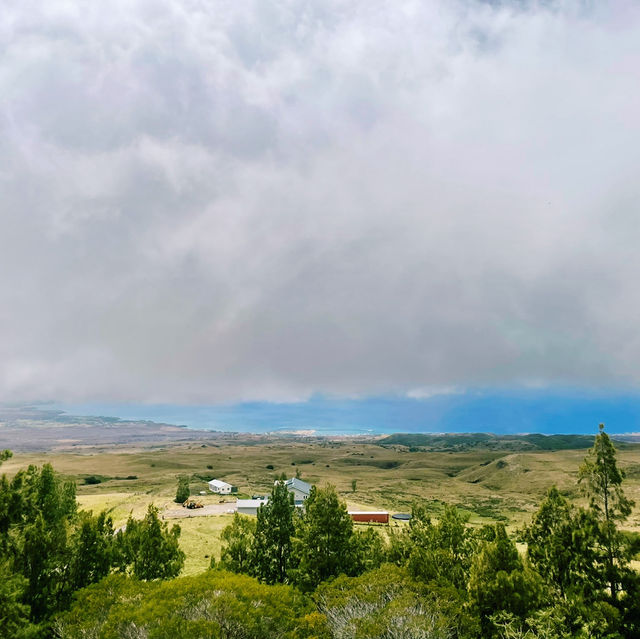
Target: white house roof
{"x":219,"y":484}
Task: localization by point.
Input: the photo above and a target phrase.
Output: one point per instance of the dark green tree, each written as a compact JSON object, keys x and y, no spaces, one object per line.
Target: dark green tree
{"x":500,"y":582}
{"x":237,"y":539}
{"x":148,"y":549}
{"x":561,"y":542}
{"x":183,"y":491}
{"x":92,"y":549}
{"x":11,"y":507}
{"x":602,"y":481}
{"x":440,"y":551}
{"x":42,"y":553}
{"x":369,"y":551}
{"x":271,"y":550}
{"x":14,"y":614}
{"x":324,"y":545}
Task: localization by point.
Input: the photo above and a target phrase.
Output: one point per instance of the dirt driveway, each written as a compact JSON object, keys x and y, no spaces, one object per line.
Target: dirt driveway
{"x":211,"y":509}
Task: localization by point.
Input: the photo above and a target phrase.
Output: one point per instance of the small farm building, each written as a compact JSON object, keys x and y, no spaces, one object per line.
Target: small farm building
{"x":379,"y":517}
{"x":249,"y":506}
{"x":299,"y":488}
{"x":221,"y":487}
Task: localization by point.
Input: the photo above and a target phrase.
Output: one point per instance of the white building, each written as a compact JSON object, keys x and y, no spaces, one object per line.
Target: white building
{"x":249,"y":506}
{"x":221,"y":487}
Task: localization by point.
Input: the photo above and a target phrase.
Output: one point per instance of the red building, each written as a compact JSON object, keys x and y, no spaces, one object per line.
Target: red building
{"x":378,"y":517}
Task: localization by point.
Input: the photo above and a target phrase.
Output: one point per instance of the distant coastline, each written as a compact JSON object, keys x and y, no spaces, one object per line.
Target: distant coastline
{"x":473,"y":411}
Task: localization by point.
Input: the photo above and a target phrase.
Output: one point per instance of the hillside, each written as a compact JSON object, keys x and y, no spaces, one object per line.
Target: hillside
{"x":487,"y":441}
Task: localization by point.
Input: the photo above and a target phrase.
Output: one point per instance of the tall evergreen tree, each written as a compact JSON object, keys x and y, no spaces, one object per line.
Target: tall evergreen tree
{"x":271,"y":550}
{"x":441,"y":551}
{"x":237,"y":539}
{"x":602,"y":480}
{"x":501,"y":582}
{"x":92,"y":549}
{"x":561,"y":543}
{"x":325,"y":546}
{"x":183,"y":491}
{"x":150,"y":548}
{"x":42,"y":553}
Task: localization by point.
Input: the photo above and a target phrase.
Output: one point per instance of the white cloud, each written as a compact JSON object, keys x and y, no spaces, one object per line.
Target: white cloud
{"x":427,"y":392}
{"x":214,"y":201}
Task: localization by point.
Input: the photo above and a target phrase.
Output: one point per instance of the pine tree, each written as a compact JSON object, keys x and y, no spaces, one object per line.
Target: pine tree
{"x":183,"y":491}
{"x":325,"y":546}
{"x":150,"y":548}
{"x":271,"y":550}
{"x":602,"y":480}
{"x":501,"y":582}
{"x":237,"y":539}
{"x":561,"y":546}
{"x":92,"y":547}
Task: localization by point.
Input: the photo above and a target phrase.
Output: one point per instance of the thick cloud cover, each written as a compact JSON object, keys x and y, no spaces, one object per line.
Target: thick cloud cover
{"x":220,"y":200}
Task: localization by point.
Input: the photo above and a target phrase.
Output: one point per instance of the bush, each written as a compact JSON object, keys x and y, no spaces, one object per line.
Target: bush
{"x":206,"y":605}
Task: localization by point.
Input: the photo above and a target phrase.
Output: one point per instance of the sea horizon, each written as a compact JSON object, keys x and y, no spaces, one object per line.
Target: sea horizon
{"x":497,"y":412}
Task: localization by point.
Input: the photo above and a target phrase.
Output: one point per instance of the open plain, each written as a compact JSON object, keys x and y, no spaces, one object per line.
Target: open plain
{"x":491,"y":479}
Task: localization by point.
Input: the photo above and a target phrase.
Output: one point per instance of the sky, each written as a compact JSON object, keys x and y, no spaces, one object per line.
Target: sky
{"x":207,"y":202}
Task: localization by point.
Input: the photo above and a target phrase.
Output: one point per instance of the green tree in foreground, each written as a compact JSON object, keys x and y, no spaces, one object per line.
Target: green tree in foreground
{"x":92,"y":550}
{"x":183,"y":491}
{"x":602,"y":481}
{"x":237,"y":539}
{"x":149,"y":548}
{"x":324,"y":544}
{"x":43,"y":554}
{"x":561,"y":543}
{"x":500,"y":581}
{"x":272,"y":541}
{"x":14,"y":614}
{"x":438,"y":551}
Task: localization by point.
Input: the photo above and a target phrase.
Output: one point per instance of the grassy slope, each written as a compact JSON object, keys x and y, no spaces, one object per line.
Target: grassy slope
{"x":489,"y":484}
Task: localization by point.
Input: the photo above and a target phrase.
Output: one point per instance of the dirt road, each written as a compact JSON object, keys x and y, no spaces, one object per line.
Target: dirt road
{"x":212,"y":509}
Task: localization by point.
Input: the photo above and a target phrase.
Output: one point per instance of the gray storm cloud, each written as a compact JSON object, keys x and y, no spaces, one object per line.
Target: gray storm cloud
{"x":212,"y":201}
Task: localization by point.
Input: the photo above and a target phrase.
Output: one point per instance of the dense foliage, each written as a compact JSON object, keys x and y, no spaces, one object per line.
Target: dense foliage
{"x":309,"y":573}
{"x":215,"y":605}
{"x":50,"y":550}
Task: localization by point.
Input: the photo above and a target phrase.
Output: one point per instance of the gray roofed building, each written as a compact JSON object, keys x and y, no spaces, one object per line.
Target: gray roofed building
{"x":299,"y":488}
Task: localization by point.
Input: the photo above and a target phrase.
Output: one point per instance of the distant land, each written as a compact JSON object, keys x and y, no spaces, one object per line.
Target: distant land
{"x":448,"y":411}
{"x":531,"y":421}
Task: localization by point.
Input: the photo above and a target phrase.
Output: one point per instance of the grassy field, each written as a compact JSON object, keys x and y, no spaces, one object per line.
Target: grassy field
{"x":491,"y":485}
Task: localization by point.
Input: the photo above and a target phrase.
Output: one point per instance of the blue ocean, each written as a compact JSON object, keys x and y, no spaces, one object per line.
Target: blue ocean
{"x":499,"y":412}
